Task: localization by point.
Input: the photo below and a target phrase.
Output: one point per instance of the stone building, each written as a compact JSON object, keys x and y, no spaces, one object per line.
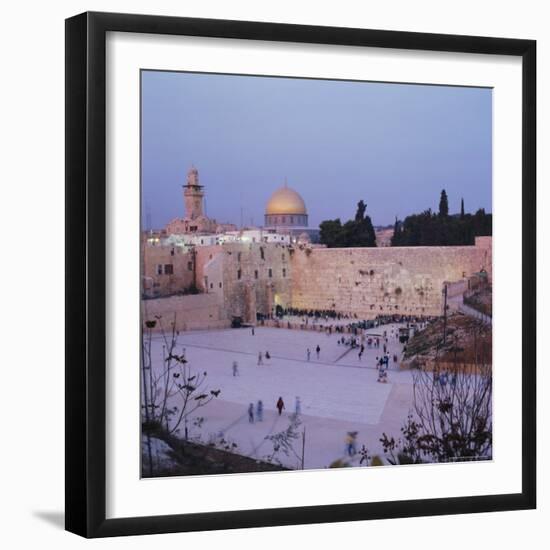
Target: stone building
{"x":166,"y":270}
{"x":383,"y":235}
{"x":250,"y":278}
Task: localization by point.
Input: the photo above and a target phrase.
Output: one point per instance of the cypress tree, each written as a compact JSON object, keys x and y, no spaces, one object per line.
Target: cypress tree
{"x":396,"y":233}
{"x":443,"y":204}
{"x":462,"y":208}
{"x":360,"y":214}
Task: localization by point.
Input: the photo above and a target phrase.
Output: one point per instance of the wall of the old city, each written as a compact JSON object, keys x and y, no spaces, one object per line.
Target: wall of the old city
{"x":190,"y":312}
{"x":243,"y":279}
{"x":373,"y":281}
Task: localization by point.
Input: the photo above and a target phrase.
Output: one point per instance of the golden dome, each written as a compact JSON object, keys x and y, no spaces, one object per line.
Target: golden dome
{"x":285,"y":201}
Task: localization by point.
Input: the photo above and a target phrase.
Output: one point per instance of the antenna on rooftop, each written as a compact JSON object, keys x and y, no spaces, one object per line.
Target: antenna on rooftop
{"x":147,"y":217}
{"x":241,"y":209}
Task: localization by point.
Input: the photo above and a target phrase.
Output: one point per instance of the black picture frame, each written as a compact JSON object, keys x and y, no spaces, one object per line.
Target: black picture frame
{"x":86,"y":274}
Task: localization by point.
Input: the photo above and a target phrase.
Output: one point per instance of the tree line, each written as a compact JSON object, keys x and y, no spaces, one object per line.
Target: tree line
{"x":441,"y":229}
{"x":425,"y":229}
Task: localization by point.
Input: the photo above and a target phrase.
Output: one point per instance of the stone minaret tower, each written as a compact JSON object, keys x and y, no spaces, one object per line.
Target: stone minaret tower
{"x":192,"y":195}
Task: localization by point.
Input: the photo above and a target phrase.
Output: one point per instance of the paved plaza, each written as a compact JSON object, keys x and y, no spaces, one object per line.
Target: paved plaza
{"x":338,"y":391}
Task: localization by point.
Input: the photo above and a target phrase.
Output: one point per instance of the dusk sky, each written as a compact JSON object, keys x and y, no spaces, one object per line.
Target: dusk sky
{"x":393,"y":145}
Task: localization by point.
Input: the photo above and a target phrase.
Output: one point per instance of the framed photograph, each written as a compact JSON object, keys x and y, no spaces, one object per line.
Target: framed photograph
{"x":300,"y":274}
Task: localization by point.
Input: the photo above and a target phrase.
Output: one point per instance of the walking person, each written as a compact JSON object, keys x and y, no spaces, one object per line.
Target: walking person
{"x":453,"y":380}
{"x":260,"y":359}
{"x":252,"y":331}
{"x":308,"y":353}
{"x":351,"y":440}
{"x":318,"y":350}
{"x":267,"y":356}
{"x":251,"y":413}
{"x":235,"y":368}
{"x":298,"y":406}
{"x":280,"y":405}
{"x":385,"y":373}
{"x":260,"y":411}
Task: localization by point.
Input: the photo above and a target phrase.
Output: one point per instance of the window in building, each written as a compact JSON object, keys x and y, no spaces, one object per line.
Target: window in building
{"x":220,"y":285}
{"x":239,"y":256}
{"x":284,"y":219}
{"x":159,"y":269}
{"x":284,"y":272}
{"x":262,"y":253}
{"x":270,"y":272}
{"x":283,"y":256}
{"x":291,"y":219}
{"x":238,"y":274}
{"x":190,"y":266}
{"x":211,"y":285}
{"x":255,"y":274}
{"x":168,"y":269}
{"x":172,"y":252}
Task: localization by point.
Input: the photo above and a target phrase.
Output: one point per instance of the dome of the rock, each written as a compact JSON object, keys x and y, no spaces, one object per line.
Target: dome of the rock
{"x":286,"y":208}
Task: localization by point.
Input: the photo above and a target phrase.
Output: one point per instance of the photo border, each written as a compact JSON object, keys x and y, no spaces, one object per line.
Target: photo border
{"x":86,"y":273}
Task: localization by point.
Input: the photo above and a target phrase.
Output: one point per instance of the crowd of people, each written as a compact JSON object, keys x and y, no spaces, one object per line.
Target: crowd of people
{"x":319,"y":314}
{"x":330,"y":321}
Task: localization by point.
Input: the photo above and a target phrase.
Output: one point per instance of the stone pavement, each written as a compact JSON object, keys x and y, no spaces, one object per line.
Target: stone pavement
{"x":338,"y":391}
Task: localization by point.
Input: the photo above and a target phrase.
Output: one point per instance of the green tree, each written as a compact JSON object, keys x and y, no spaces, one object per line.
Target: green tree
{"x":331,"y":233}
{"x":396,"y":237}
{"x":462,"y":209}
{"x":443,"y":204}
{"x":358,"y":232}
{"x":430,"y":229}
{"x":360,"y":214}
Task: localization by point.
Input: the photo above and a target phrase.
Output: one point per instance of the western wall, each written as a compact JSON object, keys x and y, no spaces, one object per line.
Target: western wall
{"x":373,"y":281}
{"x":243,"y":279}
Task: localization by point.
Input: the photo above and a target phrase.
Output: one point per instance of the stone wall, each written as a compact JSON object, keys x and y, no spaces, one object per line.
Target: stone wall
{"x":191,"y":312}
{"x":243,"y":279}
{"x":373,"y":281}
{"x":251,"y":277}
{"x":156,"y":277}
